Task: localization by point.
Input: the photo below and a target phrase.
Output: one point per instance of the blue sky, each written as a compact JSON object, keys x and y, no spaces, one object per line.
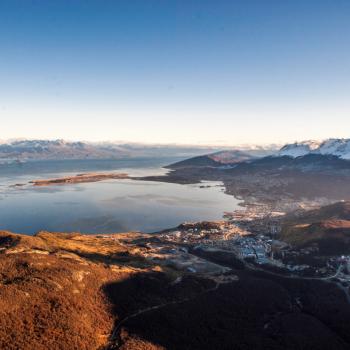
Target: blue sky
{"x":198,"y":72}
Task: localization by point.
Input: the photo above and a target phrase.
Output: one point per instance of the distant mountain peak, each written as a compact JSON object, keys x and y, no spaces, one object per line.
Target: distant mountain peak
{"x":336,"y":147}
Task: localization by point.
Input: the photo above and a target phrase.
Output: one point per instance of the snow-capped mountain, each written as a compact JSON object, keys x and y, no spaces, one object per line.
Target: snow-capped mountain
{"x":61,"y":149}
{"x":55,"y":149}
{"x":335,"y":147}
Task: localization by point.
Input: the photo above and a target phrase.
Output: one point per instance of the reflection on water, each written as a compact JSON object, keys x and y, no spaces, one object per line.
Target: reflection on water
{"x":108,"y":206}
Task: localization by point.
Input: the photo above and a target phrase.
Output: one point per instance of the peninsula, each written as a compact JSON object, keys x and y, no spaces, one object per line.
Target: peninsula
{"x":80,"y":178}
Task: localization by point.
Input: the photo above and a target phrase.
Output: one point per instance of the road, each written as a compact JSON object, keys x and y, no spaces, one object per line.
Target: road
{"x":327,"y":279}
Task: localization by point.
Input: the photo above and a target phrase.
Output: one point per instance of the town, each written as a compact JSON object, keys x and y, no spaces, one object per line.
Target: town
{"x":186,"y":246}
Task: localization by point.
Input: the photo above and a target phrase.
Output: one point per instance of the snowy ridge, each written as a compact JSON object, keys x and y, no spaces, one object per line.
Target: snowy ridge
{"x":335,"y":147}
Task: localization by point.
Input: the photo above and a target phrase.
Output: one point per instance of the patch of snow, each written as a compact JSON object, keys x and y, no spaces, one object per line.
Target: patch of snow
{"x":299,"y":149}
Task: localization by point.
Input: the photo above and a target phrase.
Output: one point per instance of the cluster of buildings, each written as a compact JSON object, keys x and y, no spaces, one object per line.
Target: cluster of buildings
{"x":342,"y":261}
{"x":209,"y":233}
{"x":226,"y":236}
{"x":251,"y":235}
{"x":257,"y":219}
{"x":256,"y":248}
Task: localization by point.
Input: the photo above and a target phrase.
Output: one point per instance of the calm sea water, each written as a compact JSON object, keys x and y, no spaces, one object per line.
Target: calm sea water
{"x":106,"y":206}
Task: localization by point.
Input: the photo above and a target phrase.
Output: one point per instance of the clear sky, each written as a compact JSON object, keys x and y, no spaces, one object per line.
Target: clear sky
{"x":165,"y":71}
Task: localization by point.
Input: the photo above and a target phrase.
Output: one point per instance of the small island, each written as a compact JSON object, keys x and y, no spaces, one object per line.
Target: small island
{"x":80,"y":178}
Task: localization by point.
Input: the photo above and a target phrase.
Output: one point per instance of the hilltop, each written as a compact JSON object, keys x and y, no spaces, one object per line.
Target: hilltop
{"x":50,"y":295}
{"x":217,"y":159}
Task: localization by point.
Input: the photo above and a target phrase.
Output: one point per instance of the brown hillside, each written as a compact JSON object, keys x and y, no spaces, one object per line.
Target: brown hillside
{"x":50,"y":290}
{"x":327,"y":227}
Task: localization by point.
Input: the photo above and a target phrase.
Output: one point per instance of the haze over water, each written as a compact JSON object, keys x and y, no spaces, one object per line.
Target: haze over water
{"x":107,"y":206}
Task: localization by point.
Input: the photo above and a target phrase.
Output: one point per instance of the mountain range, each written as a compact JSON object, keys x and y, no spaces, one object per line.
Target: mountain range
{"x":306,"y":155}
{"x":336,"y":147}
{"x":61,"y":149}
{"x":204,"y":155}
